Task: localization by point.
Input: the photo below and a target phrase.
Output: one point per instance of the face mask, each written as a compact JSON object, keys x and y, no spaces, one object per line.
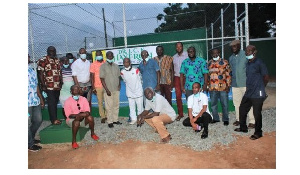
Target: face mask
{"x":65,"y":65}
{"x":83,"y":56}
{"x":99,"y":58}
{"x":109,"y":61}
{"x":196,"y":95}
{"x":153,"y":99}
{"x":127,"y":68}
{"x":70,"y":60}
{"x":75,"y":97}
{"x":250,"y":57}
{"x":147,"y":59}
{"x":217,"y":58}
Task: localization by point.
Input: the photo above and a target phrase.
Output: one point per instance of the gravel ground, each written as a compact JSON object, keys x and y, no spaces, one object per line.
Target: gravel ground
{"x":181,"y":136}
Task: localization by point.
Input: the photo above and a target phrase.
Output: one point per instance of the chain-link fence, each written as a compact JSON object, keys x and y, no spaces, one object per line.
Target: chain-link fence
{"x":70,"y":27}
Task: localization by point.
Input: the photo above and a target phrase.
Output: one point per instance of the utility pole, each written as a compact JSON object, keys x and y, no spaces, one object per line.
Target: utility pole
{"x":85,"y":43}
{"x":104,"y":28}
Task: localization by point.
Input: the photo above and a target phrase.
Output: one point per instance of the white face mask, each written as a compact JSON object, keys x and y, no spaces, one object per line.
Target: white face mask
{"x":83,"y":56}
{"x":147,"y":59}
{"x":127,"y":68}
{"x":250,"y":57}
{"x":217,"y":58}
{"x":70,"y":60}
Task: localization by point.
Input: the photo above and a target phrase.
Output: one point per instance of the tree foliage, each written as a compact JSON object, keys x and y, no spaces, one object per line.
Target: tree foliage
{"x":262,"y":17}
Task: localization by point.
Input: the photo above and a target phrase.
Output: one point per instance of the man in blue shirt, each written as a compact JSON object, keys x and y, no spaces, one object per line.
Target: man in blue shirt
{"x":150,"y":72}
{"x":257,"y":79}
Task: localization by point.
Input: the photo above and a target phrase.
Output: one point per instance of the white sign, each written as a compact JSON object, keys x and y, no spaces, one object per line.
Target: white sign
{"x":134,"y":54}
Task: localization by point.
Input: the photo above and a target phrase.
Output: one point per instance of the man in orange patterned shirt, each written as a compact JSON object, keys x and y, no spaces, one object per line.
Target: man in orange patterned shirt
{"x":166,"y":67}
{"x":219,"y":85}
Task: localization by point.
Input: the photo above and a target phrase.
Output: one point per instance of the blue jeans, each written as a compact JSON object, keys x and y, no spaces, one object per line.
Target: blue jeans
{"x":34,"y":122}
{"x":223,"y":96}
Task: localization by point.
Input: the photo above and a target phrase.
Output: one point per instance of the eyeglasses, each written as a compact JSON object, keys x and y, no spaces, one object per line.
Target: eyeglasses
{"x":78,"y":106}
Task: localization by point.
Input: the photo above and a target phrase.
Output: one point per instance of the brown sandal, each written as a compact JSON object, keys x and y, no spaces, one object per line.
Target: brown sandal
{"x":179,"y":117}
{"x":56,"y":122}
{"x":166,"y":139}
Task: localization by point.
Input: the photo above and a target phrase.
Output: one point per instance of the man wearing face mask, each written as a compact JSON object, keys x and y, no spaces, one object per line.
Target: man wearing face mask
{"x":71,"y":58}
{"x":78,"y":114}
{"x":219,"y":81}
{"x":238,"y":63}
{"x":163,"y":113}
{"x":81,"y":74}
{"x":198,"y":112}
{"x":49,"y":72}
{"x":66,"y":72}
{"x":110,"y":79}
{"x":134,"y":90}
{"x":97,"y":85}
{"x":255,"y":95}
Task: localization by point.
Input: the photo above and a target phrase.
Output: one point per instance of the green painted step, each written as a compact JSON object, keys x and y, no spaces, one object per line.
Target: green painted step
{"x":60,"y":134}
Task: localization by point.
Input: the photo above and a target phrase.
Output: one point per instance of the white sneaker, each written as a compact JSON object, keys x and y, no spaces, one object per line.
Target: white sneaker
{"x":132,"y":122}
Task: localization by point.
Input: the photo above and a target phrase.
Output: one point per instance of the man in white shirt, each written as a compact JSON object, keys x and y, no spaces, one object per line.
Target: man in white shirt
{"x":177,"y":61}
{"x":134,"y":90}
{"x":199,"y":115}
{"x":163,"y":114}
{"x":81,"y":74}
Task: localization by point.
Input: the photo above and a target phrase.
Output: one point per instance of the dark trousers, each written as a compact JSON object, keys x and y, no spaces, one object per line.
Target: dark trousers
{"x":244,"y":108}
{"x":165,"y":91}
{"x":52,"y":99}
{"x":204,"y":120}
{"x":178,"y":95}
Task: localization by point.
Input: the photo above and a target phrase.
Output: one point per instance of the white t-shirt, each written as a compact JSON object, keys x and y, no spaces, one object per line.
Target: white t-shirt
{"x":161,"y":105}
{"x":196,"y":103}
{"x":133,"y":82}
{"x":81,"y":69}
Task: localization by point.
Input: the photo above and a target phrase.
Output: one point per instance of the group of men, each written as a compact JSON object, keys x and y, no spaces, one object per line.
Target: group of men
{"x":149,"y":88}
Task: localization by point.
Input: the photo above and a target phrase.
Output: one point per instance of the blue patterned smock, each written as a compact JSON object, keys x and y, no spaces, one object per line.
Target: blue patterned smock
{"x":33,"y":99}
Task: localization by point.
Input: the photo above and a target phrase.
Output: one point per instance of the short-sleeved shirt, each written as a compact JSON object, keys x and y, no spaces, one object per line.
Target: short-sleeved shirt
{"x":161,"y":105}
{"x":196,"y":103}
{"x":219,"y":75}
{"x":177,"y":61}
{"x":72,"y":108}
{"x":95,"y":68}
{"x":132,"y":79}
{"x":165,"y":65}
{"x":81,"y":69}
{"x":111,"y":74}
{"x":148,"y":72}
{"x":255,"y":87}
{"x":33,"y":98}
{"x":50,"y":68}
{"x":194,"y":71}
{"x":238,"y":67}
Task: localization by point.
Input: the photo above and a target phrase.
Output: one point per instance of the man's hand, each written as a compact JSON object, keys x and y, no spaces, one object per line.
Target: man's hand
{"x":157,"y":88}
{"x":205,"y":87}
{"x":140,"y":121}
{"x":194,"y":126}
{"x":182,"y":89}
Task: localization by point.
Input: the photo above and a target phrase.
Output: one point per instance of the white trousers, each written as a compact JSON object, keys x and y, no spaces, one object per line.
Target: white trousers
{"x":237,"y":95}
{"x":133,"y":103}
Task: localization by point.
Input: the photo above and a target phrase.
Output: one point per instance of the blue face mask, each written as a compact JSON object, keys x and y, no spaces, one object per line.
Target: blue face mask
{"x":147,"y":59}
{"x":250,"y":57}
{"x":83,"y":56}
{"x":197,"y":95}
{"x":75,"y":97}
{"x":70,"y":60}
{"x":65,"y":65}
{"x":99,"y":58}
{"x":110,"y":61}
{"x":153,"y":99}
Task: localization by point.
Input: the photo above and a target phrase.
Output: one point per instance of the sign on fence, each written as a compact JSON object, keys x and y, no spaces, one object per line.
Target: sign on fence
{"x":133,"y":53}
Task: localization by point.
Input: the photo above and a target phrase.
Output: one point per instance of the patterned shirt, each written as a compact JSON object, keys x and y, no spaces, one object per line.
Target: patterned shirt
{"x":33,"y":99}
{"x":165,"y":65}
{"x":51,"y":72}
{"x":194,"y":71}
{"x":219,"y":75}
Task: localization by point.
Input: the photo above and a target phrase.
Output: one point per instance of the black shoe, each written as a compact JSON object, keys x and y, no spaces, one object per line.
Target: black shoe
{"x":226,"y":123}
{"x":236,"y":123}
{"x":103,"y":120}
{"x":117,"y":123}
{"x":34,"y":148}
{"x":110,"y":125}
{"x":215,"y":121}
{"x":204,"y":135}
{"x":241,"y":130}
{"x":254,"y":137}
{"x":36,"y":141}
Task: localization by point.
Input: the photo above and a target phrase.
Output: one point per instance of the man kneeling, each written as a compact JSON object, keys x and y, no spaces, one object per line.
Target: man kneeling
{"x":163,"y":114}
{"x":77,"y":111}
{"x":199,"y":115}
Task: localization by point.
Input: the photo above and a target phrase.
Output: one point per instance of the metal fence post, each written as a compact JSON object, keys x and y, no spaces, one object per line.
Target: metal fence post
{"x":246,"y":24}
{"x":212,"y":35}
{"x":236,"y":28}
{"x":124,"y":25}
{"x":222,"y":32}
{"x":31,"y":37}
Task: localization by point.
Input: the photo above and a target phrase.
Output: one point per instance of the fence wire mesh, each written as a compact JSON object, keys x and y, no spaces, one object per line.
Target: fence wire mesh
{"x":71,"y":26}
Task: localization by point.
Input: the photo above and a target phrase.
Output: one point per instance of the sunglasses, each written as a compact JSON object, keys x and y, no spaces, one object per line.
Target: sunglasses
{"x":78,"y":106}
